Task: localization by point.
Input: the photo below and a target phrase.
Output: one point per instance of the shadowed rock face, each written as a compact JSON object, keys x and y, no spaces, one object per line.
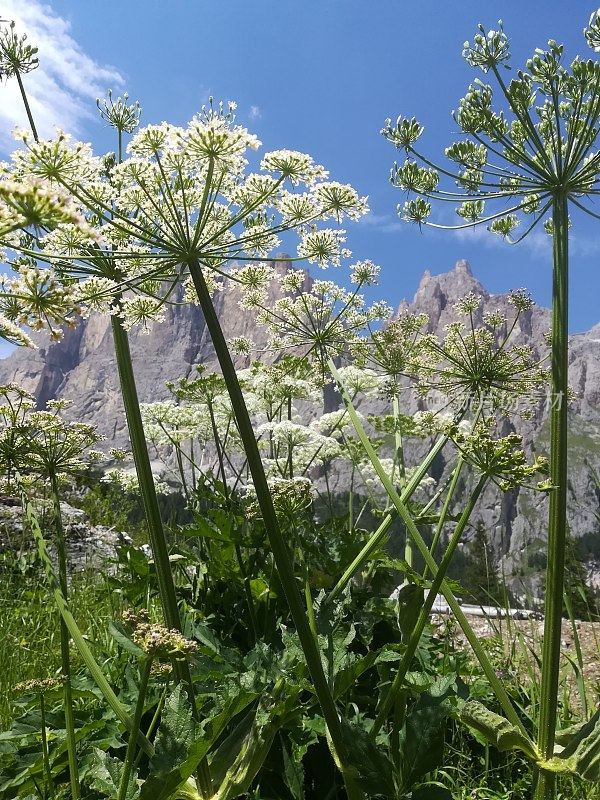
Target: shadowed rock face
{"x":81,"y":368}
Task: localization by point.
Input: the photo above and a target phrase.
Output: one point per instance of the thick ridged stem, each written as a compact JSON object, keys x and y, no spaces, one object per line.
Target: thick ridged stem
{"x":65,"y":658}
{"x":158,"y":542}
{"x":156,"y":532}
{"x":277,"y":542}
{"x":557,"y":523}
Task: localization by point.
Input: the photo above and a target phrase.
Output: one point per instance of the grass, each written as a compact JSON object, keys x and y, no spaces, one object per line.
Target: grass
{"x":472,"y":770}
{"x":29,"y":633}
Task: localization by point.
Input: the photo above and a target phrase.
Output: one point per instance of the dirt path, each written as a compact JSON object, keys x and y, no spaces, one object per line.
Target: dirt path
{"x":519,"y":642}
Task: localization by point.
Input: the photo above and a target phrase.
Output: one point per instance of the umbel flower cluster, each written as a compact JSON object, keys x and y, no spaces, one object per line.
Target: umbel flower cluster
{"x":155,"y":640}
{"x":474,"y":371}
{"x":525,"y":140}
{"x":42,"y":445}
{"x":117,"y":234}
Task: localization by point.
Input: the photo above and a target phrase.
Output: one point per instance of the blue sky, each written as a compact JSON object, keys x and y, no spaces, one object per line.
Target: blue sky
{"x":320,"y":76}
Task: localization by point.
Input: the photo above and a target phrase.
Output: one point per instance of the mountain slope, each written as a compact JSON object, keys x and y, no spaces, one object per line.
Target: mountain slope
{"x":81,"y":368}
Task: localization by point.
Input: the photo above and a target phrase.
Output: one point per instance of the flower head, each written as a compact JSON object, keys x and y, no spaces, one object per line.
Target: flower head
{"x":16,"y":55}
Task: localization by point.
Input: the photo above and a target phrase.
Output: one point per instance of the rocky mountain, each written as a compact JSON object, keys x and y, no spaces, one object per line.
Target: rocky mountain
{"x":81,"y":368}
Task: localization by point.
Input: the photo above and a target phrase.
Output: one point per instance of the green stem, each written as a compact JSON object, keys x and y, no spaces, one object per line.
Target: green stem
{"x":65,"y":658}
{"x":413,"y":531}
{"x":26,"y":104}
{"x":137,"y":721}
{"x":415,"y":638}
{"x":378,"y":536}
{"x":158,"y":541}
{"x":45,"y":753}
{"x":153,"y":723}
{"x":277,"y":542}
{"x":369,"y":548}
{"x":310,"y":609}
{"x":546,"y":786}
{"x":399,"y":464}
{"x":445,"y":508}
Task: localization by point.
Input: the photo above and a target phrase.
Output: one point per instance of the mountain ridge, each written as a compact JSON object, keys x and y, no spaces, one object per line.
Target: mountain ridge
{"x":82,"y":368}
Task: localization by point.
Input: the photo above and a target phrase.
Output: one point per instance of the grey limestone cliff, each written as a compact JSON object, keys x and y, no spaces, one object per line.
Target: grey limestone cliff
{"x":82,"y":368}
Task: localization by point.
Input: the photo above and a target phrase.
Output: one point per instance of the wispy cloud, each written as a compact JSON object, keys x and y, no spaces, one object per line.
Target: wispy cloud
{"x":384,"y":223}
{"x":255,"y":112}
{"x":538,"y":243}
{"x":63,"y":89}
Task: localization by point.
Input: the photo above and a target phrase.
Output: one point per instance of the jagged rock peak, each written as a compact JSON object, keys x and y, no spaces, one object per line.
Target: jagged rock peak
{"x":462,"y":265}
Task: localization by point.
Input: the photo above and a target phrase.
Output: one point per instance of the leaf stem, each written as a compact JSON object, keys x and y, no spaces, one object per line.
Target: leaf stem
{"x":413,"y":531}
{"x":423,"y":617}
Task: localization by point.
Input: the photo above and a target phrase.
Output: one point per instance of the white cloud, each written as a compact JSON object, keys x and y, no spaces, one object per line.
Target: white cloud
{"x":255,"y":112}
{"x":537,"y":242}
{"x":63,"y":89}
{"x":384,"y":223}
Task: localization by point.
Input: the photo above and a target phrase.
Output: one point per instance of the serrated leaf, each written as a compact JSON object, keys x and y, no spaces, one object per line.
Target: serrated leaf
{"x":422,"y":739}
{"x":410,"y":603}
{"x":294,"y":773}
{"x":163,"y":786}
{"x":375,"y":772}
{"x":175,"y":732}
{"x":106,"y":774}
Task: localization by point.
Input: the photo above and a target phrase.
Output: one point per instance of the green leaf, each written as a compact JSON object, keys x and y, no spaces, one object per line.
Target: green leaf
{"x":118,"y":633}
{"x":410,"y":603}
{"x":582,"y":753}
{"x":346,"y":678}
{"x":105,"y":776}
{"x":422,"y":739}
{"x":375,"y":770}
{"x":294,"y":774}
{"x":175,"y":733}
{"x":496,"y":729}
{"x":163,"y":786}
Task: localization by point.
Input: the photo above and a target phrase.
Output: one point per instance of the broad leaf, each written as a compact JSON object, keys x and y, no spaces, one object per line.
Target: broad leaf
{"x":374,"y":769}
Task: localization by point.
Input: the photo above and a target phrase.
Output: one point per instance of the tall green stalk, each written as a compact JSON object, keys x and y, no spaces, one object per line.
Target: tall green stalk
{"x":380,"y":533}
{"x":545,"y":789}
{"x":65,"y":659}
{"x":158,"y":542}
{"x":278,"y":545}
{"x":399,"y":463}
{"x":45,"y":752}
